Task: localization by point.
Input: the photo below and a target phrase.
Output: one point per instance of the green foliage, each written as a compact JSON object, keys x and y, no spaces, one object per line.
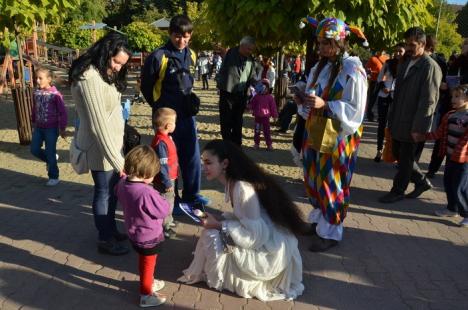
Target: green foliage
{"x":383,"y":22}
{"x":273,"y":23}
{"x":143,"y":37}
{"x":448,"y":39}
{"x":89,"y":10}
{"x":205,"y":36}
{"x":20,"y":15}
{"x":462,"y":21}
{"x":69,"y":35}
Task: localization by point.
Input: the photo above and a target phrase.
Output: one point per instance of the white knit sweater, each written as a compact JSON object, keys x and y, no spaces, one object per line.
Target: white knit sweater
{"x":101,"y":128}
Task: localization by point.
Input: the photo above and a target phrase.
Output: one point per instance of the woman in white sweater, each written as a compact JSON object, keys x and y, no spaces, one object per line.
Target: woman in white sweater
{"x":98,"y":77}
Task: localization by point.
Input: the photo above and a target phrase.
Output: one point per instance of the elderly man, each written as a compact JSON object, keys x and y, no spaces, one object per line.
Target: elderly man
{"x":236,"y":72}
{"x":410,"y":116}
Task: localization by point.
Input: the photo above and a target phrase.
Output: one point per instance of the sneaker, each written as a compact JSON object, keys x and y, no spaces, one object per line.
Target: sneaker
{"x":446,"y":213}
{"x":52,"y":182}
{"x":152,"y":300}
{"x":157,"y":285}
{"x":464,"y":222}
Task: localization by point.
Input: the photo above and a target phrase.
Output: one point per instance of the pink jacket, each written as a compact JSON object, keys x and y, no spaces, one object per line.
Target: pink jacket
{"x":263,"y":106}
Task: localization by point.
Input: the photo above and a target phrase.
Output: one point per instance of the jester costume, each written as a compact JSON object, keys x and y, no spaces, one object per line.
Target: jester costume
{"x":327,"y":176}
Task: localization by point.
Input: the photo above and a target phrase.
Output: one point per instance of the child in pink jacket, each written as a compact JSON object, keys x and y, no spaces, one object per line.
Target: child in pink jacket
{"x":263,"y":107}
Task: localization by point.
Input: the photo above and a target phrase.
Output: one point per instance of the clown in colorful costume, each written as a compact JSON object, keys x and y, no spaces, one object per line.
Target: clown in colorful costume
{"x":327,"y":176}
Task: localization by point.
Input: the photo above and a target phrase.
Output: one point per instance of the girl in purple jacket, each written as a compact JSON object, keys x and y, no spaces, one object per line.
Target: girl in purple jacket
{"x":263,"y":107}
{"x":49,"y":118}
{"x":144,"y":213}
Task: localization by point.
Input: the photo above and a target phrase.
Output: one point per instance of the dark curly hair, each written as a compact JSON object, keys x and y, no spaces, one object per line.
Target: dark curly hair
{"x":99,"y":55}
{"x":272,"y":196}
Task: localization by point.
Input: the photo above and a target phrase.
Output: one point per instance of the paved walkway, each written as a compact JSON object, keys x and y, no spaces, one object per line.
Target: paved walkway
{"x":395,"y":256}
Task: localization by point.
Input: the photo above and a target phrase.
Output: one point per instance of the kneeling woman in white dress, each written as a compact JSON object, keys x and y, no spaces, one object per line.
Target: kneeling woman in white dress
{"x":252,"y":251}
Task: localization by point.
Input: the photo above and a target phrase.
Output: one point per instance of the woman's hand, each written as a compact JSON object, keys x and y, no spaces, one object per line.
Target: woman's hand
{"x":314,"y":101}
{"x":210,"y":222}
{"x":122,"y":174}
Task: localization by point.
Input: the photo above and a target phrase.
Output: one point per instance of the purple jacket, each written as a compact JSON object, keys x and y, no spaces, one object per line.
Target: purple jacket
{"x":144,"y":212}
{"x":263,"y":105}
{"x":49,"y":109}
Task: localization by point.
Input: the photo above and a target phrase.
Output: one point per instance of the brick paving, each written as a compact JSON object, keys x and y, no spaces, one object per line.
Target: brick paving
{"x":397,"y":256}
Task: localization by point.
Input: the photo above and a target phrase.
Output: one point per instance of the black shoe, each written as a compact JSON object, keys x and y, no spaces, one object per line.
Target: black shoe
{"x":120,"y":236}
{"x":311,"y":230}
{"x":378,"y":157}
{"x":112,"y":247}
{"x":419,"y":189}
{"x":169,"y":233}
{"x":391,"y":198}
{"x":320,"y":244}
{"x":430,"y":175}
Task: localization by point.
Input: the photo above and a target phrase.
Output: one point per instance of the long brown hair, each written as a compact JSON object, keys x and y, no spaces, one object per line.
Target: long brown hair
{"x":272,"y":197}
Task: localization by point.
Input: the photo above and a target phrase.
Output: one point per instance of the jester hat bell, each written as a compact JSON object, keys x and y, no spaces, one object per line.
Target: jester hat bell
{"x":333,"y":28}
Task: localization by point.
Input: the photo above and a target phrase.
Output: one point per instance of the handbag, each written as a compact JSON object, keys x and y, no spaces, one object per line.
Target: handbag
{"x":387,"y":153}
{"x":78,"y":158}
{"x":322,"y":132}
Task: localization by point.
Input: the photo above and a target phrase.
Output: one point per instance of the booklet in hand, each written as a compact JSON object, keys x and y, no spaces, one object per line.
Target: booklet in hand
{"x":190,"y":210}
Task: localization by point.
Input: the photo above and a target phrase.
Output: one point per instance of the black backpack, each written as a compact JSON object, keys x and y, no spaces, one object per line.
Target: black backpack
{"x":131,"y":138}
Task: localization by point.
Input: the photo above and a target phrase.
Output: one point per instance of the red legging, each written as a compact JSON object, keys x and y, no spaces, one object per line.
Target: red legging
{"x":147,"y":265}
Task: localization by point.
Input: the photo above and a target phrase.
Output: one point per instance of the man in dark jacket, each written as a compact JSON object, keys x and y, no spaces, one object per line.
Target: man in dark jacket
{"x":167,"y":81}
{"x":410,"y":116}
{"x":237,"y":70}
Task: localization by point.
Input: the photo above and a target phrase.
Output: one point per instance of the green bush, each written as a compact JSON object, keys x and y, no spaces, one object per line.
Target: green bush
{"x":142,"y":37}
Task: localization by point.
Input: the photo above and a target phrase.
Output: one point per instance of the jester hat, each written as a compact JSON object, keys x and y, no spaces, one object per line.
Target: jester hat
{"x":333,"y":28}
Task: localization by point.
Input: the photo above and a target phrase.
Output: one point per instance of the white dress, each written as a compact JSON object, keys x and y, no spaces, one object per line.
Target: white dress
{"x":264,"y":262}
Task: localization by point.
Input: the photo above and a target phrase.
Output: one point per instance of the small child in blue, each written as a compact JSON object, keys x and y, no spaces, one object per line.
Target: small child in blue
{"x":49,"y":118}
{"x":144,"y":213}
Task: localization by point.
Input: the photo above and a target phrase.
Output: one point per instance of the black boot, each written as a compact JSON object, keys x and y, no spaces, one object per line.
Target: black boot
{"x":320,"y":244}
{"x":420,"y":188}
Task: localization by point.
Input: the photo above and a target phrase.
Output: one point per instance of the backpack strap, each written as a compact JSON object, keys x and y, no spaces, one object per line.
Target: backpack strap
{"x":162,"y":73}
{"x":193,"y":56}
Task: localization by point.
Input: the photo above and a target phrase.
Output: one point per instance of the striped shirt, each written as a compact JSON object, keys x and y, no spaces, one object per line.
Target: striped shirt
{"x":453,"y":135}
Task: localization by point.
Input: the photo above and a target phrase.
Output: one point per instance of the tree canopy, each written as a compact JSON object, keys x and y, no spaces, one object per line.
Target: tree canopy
{"x":275,"y":23}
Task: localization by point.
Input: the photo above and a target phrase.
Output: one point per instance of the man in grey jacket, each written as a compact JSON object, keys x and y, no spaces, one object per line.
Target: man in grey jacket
{"x":236,"y":72}
{"x":410,"y":116}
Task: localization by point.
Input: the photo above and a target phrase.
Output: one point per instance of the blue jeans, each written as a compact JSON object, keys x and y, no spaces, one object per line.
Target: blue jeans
{"x":188,"y":152}
{"x":456,"y":186}
{"x":105,"y":203}
{"x":47,"y":155}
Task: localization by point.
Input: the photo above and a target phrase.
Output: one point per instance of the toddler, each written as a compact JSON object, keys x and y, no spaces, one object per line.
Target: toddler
{"x":49,"y":119}
{"x":263,"y":107}
{"x":453,"y":135}
{"x":164,"y":122}
{"x":144,"y":213}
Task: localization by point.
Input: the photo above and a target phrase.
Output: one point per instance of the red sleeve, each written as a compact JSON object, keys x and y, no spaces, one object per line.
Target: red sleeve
{"x":435,"y":135}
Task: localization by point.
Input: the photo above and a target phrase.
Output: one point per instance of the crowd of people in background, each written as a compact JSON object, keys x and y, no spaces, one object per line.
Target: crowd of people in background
{"x":419,"y":96}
